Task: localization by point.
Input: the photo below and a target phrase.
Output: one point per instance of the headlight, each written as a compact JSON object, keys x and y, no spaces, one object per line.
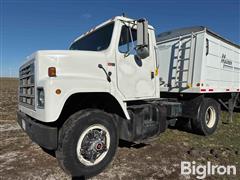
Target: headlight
{"x":41,"y":98}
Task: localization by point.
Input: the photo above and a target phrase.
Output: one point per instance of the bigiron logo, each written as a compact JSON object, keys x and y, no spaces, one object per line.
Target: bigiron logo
{"x":202,"y":171}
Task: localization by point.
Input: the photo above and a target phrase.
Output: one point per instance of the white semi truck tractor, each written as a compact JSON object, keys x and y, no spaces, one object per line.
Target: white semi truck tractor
{"x":120,"y":81}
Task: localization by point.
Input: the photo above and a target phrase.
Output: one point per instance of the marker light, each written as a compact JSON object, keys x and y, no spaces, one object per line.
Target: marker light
{"x":52,"y":72}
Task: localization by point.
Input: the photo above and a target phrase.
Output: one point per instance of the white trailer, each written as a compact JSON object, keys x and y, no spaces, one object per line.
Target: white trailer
{"x":197,"y":60}
{"x":78,"y":103}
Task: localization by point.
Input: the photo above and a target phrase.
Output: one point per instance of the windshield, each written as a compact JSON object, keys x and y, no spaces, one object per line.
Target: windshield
{"x":96,"y":41}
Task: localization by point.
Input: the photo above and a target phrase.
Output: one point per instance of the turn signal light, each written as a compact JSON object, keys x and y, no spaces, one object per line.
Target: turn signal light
{"x":52,"y":72}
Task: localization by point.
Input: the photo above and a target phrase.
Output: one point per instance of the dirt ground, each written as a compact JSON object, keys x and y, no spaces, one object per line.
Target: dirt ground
{"x":20,"y":158}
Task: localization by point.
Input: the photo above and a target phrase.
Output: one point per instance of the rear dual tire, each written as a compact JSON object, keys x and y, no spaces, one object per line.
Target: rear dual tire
{"x":208,"y":117}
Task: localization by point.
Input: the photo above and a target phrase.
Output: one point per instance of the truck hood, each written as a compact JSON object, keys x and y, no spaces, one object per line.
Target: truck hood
{"x":70,"y":63}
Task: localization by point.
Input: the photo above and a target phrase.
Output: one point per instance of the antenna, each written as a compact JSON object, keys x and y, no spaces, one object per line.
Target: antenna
{"x":124,"y":15}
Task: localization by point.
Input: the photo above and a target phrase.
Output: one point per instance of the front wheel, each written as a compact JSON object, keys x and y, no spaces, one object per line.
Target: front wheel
{"x":88,"y":141}
{"x":208,"y":117}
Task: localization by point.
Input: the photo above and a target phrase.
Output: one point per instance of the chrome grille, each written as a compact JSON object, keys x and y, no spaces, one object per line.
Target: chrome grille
{"x":27,"y":85}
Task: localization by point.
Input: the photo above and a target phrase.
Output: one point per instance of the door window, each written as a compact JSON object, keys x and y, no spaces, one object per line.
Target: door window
{"x":128,"y":40}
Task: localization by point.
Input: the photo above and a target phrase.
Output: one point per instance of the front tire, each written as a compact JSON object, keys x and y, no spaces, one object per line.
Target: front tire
{"x":208,"y":117}
{"x":88,"y":142}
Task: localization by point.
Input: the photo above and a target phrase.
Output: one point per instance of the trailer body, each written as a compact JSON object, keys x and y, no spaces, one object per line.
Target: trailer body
{"x":197,"y":60}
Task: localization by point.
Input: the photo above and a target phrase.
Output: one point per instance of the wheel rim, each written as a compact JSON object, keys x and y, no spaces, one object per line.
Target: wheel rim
{"x":210,"y":117}
{"x":93,"y":145}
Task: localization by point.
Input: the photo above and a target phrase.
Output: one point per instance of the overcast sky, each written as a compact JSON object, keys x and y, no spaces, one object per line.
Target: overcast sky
{"x":28,"y":26}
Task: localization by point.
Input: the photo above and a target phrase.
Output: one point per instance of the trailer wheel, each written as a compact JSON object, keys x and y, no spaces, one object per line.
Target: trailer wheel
{"x":208,"y":117}
{"x":88,"y":142}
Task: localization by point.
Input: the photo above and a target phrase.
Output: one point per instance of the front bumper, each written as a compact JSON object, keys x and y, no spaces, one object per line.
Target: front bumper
{"x":45,"y":136}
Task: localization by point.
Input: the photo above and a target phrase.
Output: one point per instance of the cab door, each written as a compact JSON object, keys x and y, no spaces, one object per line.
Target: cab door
{"x":135,"y":76}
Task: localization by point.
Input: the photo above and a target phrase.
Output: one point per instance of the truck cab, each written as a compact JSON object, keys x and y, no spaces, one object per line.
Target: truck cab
{"x":102,"y":60}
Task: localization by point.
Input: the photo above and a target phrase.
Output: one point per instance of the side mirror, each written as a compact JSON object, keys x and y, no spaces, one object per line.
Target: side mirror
{"x":142,"y":47}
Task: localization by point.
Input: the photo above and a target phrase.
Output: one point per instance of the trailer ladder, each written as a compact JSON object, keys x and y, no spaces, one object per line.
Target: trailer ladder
{"x":179,"y":77}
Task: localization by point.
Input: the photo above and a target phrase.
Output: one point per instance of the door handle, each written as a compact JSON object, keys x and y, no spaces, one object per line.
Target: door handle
{"x":107,"y":74}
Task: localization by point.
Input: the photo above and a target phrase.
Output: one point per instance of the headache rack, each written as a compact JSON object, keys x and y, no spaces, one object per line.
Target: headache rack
{"x":27,"y":85}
